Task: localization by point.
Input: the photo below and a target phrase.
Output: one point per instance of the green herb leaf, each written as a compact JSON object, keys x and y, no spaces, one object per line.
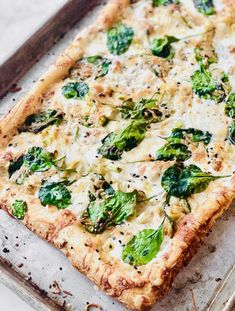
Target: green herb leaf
{"x":119,"y":39}
{"x":173,"y":151}
{"x":19,"y":209}
{"x":205,"y":7}
{"x":164,"y":2}
{"x":162,"y":47}
{"x":15,"y":165}
{"x":230,"y":106}
{"x":101,"y":187}
{"x":207,"y":86}
{"x":182,"y":181}
{"x":103,"y":65}
{"x":231,"y":133}
{"x":144,"y":109}
{"x":205,"y":55}
{"x":113,"y":145}
{"x":77,"y":90}
{"x":37,"y":122}
{"x":143,"y":247}
{"x":193,"y":134}
{"x":111,"y":211}
{"x":38,"y":159}
{"x":55,"y":193}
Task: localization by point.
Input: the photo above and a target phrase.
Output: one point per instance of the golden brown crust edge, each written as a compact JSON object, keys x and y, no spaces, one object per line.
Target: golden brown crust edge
{"x":191,"y":231}
{"x":188,"y":238}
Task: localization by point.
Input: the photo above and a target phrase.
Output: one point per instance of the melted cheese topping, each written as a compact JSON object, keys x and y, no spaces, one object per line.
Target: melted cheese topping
{"x":131,"y":75}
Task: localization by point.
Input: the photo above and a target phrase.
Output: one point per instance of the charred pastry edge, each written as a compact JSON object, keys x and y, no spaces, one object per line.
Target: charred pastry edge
{"x":143,"y":293}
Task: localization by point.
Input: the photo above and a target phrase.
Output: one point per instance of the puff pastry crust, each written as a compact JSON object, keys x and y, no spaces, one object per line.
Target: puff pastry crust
{"x":139,"y":288}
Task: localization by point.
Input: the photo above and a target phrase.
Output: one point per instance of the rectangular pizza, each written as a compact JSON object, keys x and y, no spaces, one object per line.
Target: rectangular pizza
{"x":122,"y":155}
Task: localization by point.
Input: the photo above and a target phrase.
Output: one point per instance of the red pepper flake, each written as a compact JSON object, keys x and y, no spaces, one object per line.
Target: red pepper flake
{"x":93,"y":305}
{"x":67,"y":293}
{"x":15,"y":88}
{"x":56,"y":288}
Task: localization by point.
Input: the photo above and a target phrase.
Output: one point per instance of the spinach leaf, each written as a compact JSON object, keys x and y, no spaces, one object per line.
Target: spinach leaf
{"x":162,"y":47}
{"x":231,"y":133}
{"x":102,"y":188}
{"x":15,"y":165}
{"x":109,"y":212}
{"x":205,"y":7}
{"x":164,"y":2}
{"x":103,"y":65}
{"x":193,"y":134}
{"x":182,"y":181}
{"x":113,"y":145}
{"x":77,"y":90}
{"x":145,"y":108}
{"x":19,"y":209}
{"x":37,"y":122}
{"x":55,"y":193}
{"x":119,"y":39}
{"x":230,"y":106}
{"x":206,"y":86}
{"x":205,"y":55}
{"x":173,"y":151}
{"x":143,"y":247}
{"x":38,"y":159}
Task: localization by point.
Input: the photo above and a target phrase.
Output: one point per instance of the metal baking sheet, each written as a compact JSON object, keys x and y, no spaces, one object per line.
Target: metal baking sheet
{"x":44,"y":278}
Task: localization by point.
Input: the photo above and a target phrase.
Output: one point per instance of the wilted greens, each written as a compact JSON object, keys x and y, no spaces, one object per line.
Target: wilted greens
{"x":173,"y":151}
{"x":19,"y":209}
{"x":195,"y":135}
{"x":164,"y":2}
{"x":119,"y":39}
{"x":230,"y":106}
{"x":205,"y":7}
{"x":37,"y":122}
{"x":108,"y":212}
{"x":143,"y":247}
{"x":55,"y":193}
{"x":162,"y":47}
{"x":231,"y":133}
{"x":182,"y":181}
{"x":209,"y":86}
{"x":144,"y":109}
{"x":76,"y":90}
{"x":102,"y":64}
{"x":213,"y":85}
{"x":205,"y":55}
{"x":38,"y":159}
{"x":113,"y":145}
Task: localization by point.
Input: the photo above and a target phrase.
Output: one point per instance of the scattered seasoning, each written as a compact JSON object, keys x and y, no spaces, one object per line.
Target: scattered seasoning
{"x":218,"y":279}
{"x":6,"y":237}
{"x":20,"y":265}
{"x":5,"y":250}
{"x":60,"y":268}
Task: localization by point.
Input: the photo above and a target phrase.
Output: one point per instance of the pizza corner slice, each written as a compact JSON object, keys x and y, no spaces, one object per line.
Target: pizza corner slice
{"x":122,"y":156}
